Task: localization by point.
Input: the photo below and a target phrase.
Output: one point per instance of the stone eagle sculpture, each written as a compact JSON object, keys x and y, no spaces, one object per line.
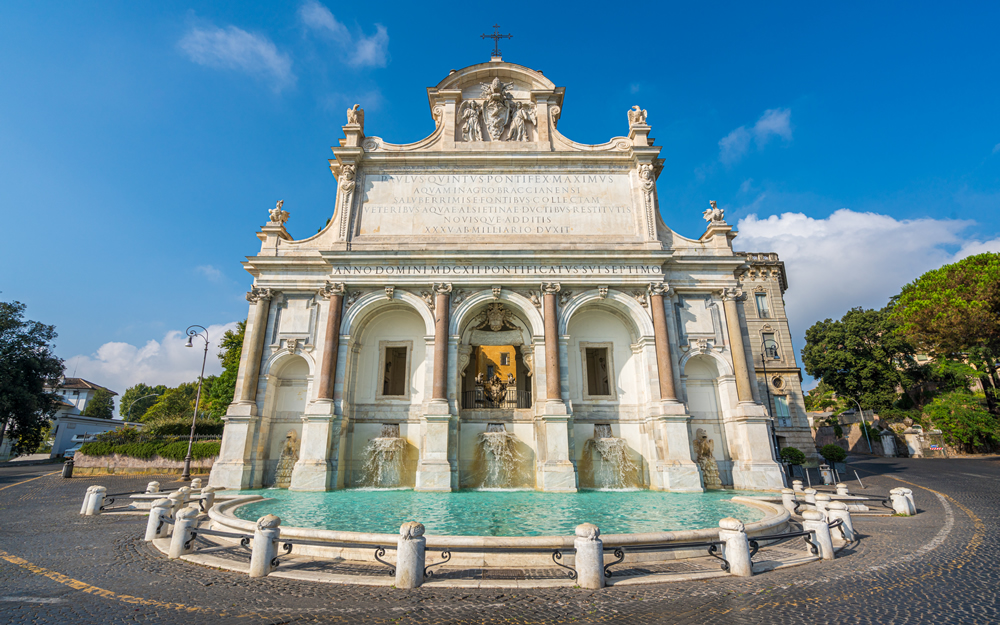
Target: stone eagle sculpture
{"x":636,"y":116}
{"x":714,"y":214}
{"x":356,"y":115}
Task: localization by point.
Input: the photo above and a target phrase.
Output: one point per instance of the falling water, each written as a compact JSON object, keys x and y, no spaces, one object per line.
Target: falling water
{"x":383,"y":466}
{"x":616,"y":469}
{"x":286,"y":462}
{"x":501,"y":457}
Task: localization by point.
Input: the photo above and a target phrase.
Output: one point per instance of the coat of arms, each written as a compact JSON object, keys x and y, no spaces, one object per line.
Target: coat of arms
{"x":497,"y":106}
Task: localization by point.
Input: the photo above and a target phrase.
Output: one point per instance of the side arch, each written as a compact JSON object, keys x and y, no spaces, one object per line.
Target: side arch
{"x":641,"y":323}
{"x":376,"y":300}
{"x":524,"y":306}
{"x":725,"y":368}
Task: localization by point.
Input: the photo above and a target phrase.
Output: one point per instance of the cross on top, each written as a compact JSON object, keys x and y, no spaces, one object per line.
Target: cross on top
{"x":496,"y":37}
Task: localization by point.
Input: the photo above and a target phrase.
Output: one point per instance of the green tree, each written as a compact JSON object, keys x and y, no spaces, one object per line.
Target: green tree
{"x":101,"y":405}
{"x":224,"y":387}
{"x":861,"y":356}
{"x":137,"y":397}
{"x":175,"y":402}
{"x":954,"y":313}
{"x":27,"y":366}
{"x":964,"y":421}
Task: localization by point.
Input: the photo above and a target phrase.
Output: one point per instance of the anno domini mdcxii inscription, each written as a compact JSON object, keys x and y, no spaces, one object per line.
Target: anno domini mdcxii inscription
{"x":497,"y":204}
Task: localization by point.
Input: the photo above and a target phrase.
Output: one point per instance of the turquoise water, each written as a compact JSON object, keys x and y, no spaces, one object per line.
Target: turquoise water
{"x":499,"y":513}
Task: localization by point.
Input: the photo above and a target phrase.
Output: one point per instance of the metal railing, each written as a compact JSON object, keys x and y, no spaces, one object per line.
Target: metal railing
{"x":244,"y":540}
{"x":557,"y":555}
{"x":711,"y":546}
{"x":512,"y":399}
{"x":110,"y":499}
{"x":756,"y":540}
{"x":379,"y":550}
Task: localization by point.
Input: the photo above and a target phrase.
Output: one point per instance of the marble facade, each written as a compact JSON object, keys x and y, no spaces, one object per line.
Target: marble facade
{"x":498,"y":230}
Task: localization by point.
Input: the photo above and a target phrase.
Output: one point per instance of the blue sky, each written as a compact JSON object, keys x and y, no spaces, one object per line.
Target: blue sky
{"x":144,"y":142}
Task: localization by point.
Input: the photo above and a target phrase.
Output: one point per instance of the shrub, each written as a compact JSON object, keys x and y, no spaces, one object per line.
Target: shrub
{"x":833,"y":453}
{"x":181,"y":426}
{"x":792,"y":455}
{"x":169,"y":449}
{"x":965,"y":421}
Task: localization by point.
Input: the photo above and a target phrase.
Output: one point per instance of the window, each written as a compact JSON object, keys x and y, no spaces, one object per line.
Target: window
{"x":762,"y":310}
{"x":781,"y":411}
{"x":770,"y":346}
{"x":490,"y":372}
{"x":598,"y":375}
{"x":394,"y":375}
{"x":505,"y":359}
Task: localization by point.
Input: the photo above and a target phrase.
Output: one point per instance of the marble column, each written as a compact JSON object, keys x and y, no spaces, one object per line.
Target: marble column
{"x":232,"y":469}
{"x":316,"y":468}
{"x":675,"y":467}
{"x":434,"y":471}
{"x":754,"y":467}
{"x":557,"y":472}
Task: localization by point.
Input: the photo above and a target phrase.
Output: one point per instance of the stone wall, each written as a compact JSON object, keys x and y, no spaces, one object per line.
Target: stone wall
{"x":101,"y":465}
{"x":853,"y":440}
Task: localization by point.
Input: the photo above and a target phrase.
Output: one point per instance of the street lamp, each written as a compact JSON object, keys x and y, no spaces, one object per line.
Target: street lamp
{"x":129,"y":415}
{"x":191,"y":332}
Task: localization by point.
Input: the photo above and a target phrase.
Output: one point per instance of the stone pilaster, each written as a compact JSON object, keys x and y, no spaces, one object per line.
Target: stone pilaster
{"x":729,"y":297}
{"x":316,"y":468}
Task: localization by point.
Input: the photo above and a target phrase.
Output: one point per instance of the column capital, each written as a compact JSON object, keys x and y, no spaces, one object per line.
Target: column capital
{"x":256,"y":294}
{"x":659,"y":288}
{"x":332,"y":288}
{"x":442,"y":288}
{"x":732,"y":294}
{"x":551,"y":288}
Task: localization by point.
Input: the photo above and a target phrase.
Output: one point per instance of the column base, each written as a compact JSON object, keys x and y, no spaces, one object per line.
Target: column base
{"x":313,"y":475}
{"x":557,"y":477}
{"x":766,"y":475}
{"x":230,"y":475}
{"x":680,"y":478}
{"x":433,"y":476}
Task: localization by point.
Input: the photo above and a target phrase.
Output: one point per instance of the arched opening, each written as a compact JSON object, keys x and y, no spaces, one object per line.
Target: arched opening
{"x":283,"y":428}
{"x":701,"y":379}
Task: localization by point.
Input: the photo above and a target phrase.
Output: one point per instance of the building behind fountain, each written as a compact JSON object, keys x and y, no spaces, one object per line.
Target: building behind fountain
{"x":499,"y":291}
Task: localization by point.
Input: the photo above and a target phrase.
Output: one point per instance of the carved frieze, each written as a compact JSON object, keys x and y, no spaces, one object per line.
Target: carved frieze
{"x":352,"y":298}
{"x":428,"y":298}
{"x":640,"y":296}
{"x":564,"y":297}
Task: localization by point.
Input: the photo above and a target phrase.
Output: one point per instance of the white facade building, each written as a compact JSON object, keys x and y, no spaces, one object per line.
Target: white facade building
{"x":496,"y":231}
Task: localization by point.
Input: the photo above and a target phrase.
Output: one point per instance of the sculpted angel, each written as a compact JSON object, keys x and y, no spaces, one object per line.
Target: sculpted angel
{"x":523,"y":114}
{"x":472,"y":128}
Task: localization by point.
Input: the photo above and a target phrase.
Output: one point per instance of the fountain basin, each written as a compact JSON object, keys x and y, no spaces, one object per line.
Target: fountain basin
{"x":239,"y":515}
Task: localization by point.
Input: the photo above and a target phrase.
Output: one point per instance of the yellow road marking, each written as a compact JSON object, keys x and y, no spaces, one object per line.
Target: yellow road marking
{"x":32,"y":479}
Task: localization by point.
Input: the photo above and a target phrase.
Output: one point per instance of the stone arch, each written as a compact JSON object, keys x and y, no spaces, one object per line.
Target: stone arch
{"x":288,"y":375}
{"x":702,"y":372}
{"x":625,"y":306}
{"x":277,"y":362}
{"x":522,"y":305}
{"x":371,"y":303}
{"x":723,"y":366}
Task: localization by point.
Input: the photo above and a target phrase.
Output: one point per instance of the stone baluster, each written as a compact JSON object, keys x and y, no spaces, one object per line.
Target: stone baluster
{"x":96,"y":501}
{"x":261,"y":299}
{"x":664,"y":366}
{"x":815,"y":521}
{"x":837,"y":511}
{"x":86,"y":499}
{"x":553,"y":383}
{"x":180,"y":542}
{"x":265,"y":545}
{"x":156,"y":526}
{"x":788,"y":500}
{"x":411,"y":550}
{"x":589,"y":556}
{"x":729,"y":299}
{"x":733,"y":533}
{"x":331,"y":340}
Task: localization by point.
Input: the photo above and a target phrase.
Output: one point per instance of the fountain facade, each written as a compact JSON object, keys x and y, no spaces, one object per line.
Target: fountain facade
{"x":500,"y":461}
{"x":608,"y":461}
{"x":384,"y":459}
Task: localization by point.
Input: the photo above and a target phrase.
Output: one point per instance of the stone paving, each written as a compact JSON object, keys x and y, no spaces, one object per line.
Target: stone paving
{"x":937,"y":567}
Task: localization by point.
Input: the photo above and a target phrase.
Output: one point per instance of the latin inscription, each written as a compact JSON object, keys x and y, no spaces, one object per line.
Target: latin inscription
{"x":503,"y":204}
{"x":497,"y":270}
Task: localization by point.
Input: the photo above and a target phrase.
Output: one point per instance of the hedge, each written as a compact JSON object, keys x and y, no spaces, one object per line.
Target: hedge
{"x":170,"y":450}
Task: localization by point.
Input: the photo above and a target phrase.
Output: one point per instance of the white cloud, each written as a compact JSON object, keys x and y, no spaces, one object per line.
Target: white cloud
{"x":853,"y":259}
{"x":209,"y":272}
{"x":120,"y":365}
{"x":236,"y":49}
{"x":773,"y":123}
{"x":996,"y":148}
{"x":360,"y":50}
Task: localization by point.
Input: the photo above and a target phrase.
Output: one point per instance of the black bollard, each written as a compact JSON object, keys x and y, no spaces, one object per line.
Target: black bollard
{"x":68,"y":468}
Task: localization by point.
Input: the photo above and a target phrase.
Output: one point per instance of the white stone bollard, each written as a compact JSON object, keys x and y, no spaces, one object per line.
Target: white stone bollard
{"x":152,"y":487}
{"x":733,"y":533}
{"x":842,"y":490}
{"x":196,"y":483}
{"x":797,"y":486}
{"x":810,"y":496}
{"x":837,"y":511}
{"x":909,"y":499}
{"x":788,"y":500}
{"x":589,"y":556}
{"x":156,"y":527}
{"x":184,"y":523}
{"x":265,"y":545}
{"x":208,"y":497}
{"x":185,"y":491}
{"x":86,"y":499}
{"x":411,"y":548}
{"x":96,"y":501}
{"x":899,"y":503}
{"x":822,"y":502}
{"x":815,"y":521}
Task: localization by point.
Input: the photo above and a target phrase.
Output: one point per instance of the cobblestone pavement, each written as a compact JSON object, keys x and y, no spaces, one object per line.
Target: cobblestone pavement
{"x":937,"y":567}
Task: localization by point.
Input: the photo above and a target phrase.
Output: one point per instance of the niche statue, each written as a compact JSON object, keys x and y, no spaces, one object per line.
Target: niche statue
{"x":704,"y":448}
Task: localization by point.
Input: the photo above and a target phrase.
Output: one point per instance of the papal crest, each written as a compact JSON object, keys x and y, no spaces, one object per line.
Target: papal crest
{"x":497,"y":106}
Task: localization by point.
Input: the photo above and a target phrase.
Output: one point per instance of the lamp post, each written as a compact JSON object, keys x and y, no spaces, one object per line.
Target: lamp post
{"x":865,"y":424}
{"x":129,"y":414}
{"x":191,"y":332}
